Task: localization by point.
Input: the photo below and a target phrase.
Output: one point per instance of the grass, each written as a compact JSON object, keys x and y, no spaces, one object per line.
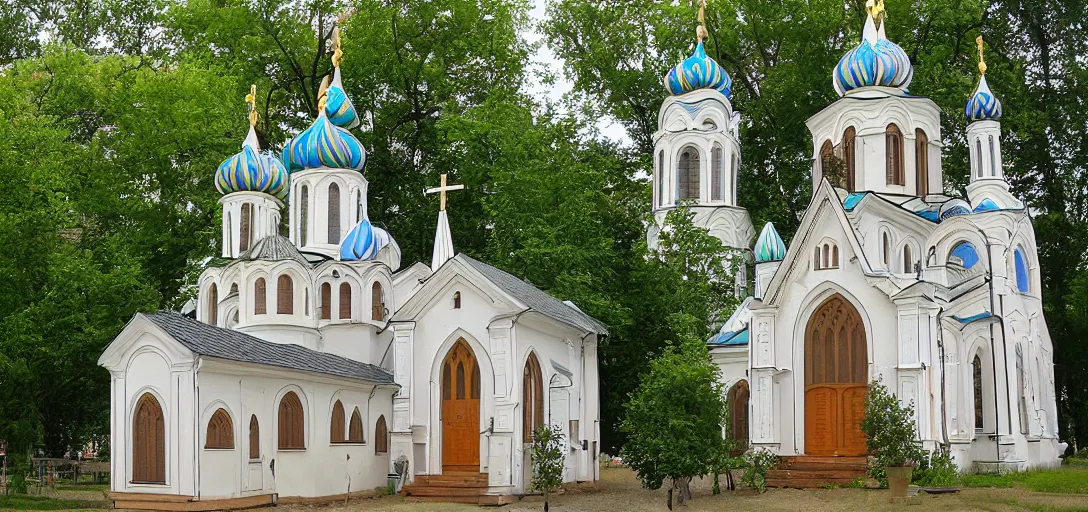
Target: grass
{"x":82,"y":487}
{"x":24,"y":502}
{"x":1070,"y":479}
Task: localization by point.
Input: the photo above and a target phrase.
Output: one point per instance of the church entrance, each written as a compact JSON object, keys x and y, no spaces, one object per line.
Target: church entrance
{"x":836,"y":367}
{"x":460,"y":410}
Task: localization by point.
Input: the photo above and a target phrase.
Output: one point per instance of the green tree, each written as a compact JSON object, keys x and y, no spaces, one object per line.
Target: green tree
{"x":547,"y":456}
{"x":674,"y":419}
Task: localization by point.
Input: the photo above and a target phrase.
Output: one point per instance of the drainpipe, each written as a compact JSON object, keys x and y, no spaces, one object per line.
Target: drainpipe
{"x":944,"y":400}
{"x":993,"y":354}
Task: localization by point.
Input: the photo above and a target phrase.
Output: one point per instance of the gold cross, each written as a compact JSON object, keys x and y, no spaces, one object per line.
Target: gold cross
{"x":251,"y":99}
{"x":981,"y":63}
{"x":441,"y":190}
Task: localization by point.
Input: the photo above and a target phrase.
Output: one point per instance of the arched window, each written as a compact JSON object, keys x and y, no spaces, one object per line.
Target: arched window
{"x":1023,"y":282}
{"x":849,"y":156}
{"x":326,"y":301}
{"x":816,"y":261}
{"x":976,"y":380}
{"x":532,"y":399}
{"x":1021,"y":388}
{"x":228,"y":233}
{"x":661,"y":177}
{"x":304,"y":215}
{"x":148,"y":442}
{"x":825,"y":256}
{"x":834,"y":256}
{"x":738,"y":413}
{"x":979,"y":169}
{"x":213,"y":304}
{"x":963,"y":254}
{"x":292,"y":423}
{"x":921,"y":157}
{"x":456,"y":300}
{"x":886,"y":250}
{"x":908,"y":260}
{"x":260,"y":297}
{"x":345,"y":301}
{"x":336,"y":423}
{"x":381,"y":436}
{"x":993,"y":157}
{"x":254,"y":438}
{"x":894,"y":148}
{"x":334,"y":214}
{"x":285,"y":295}
{"x":832,"y":169}
{"x":245,"y":235}
{"x":377,"y":302}
{"x":717,"y":174}
{"x":233,"y":288}
{"x":355,"y":427}
{"x":220,"y":434}
{"x":736,"y":176}
{"x":687,"y":174}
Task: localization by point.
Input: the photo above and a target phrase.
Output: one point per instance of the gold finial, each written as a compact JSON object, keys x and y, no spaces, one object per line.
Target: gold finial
{"x":981,"y":62}
{"x":251,"y":99}
{"x":875,"y":8}
{"x":337,"y":53}
{"x":323,"y":93}
{"x":701,"y":33}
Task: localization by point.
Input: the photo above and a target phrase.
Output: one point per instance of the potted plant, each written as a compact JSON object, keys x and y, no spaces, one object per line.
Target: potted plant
{"x":891,"y":438}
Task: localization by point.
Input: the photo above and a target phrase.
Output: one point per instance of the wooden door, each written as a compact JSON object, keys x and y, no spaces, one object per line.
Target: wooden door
{"x":836,"y":365}
{"x":148,"y":442}
{"x":460,"y":410}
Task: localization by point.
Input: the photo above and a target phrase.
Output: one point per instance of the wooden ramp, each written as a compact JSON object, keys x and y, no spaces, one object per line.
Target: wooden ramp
{"x":454,"y":487}
{"x":811,"y":472}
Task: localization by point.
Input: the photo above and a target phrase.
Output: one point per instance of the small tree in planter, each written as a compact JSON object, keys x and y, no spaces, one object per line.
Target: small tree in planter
{"x":547,"y":460}
{"x":891,"y":438}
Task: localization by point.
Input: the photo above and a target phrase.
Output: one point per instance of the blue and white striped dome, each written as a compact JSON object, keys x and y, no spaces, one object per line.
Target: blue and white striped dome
{"x":983,"y":105}
{"x":339,"y":108}
{"x":363,"y":242}
{"x":324,"y":144}
{"x":698,"y":71}
{"x":769,"y":245}
{"x":252,"y":171}
{"x":953,"y":208}
{"x":874,"y":61}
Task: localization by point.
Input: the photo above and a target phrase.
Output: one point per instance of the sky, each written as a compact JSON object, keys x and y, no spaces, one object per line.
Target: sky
{"x":543,"y":59}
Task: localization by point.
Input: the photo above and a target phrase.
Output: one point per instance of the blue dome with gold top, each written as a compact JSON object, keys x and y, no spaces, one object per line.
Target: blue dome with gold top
{"x":339,"y":108}
{"x":253,"y":171}
{"x":698,"y":71}
{"x":875,"y":61}
{"x":983,"y":105}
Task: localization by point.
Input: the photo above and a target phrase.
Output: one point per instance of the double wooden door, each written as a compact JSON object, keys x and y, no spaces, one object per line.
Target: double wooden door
{"x":836,"y":365}
{"x":460,"y":410}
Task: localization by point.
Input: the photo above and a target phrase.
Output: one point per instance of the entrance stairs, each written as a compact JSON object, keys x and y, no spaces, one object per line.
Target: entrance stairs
{"x":454,"y":487}
{"x":811,"y":472}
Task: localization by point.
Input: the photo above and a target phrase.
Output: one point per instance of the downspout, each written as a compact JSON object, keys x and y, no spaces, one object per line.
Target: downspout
{"x":197,"y":365}
{"x":993,"y":354}
{"x":944,"y":400}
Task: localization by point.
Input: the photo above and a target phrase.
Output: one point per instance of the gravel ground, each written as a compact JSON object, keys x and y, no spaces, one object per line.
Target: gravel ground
{"x":619,"y":489}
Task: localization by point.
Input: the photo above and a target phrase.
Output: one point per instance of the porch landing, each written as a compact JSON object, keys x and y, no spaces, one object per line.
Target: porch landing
{"x":810,"y":471}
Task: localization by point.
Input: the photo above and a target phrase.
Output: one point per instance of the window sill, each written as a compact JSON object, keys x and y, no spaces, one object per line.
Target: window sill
{"x":218,"y":449}
{"x":348,"y":443}
{"x":149,"y":484}
{"x":380,"y":453}
{"x":291,"y":449}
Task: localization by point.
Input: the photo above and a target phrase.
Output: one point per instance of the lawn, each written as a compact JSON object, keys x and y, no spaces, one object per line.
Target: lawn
{"x":25,"y":502}
{"x":1072,"y":478}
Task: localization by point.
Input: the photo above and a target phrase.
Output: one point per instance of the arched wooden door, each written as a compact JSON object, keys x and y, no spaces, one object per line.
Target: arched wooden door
{"x":738,"y":414}
{"x":148,"y":442}
{"x":836,"y":367}
{"x":460,"y":410}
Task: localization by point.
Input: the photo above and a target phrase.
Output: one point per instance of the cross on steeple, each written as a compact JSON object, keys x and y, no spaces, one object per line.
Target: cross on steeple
{"x":700,"y":32}
{"x":441,"y":190}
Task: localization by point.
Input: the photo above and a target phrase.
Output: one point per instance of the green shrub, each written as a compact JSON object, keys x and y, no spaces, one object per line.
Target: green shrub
{"x":890,"y":432}
{"x":757,"y":462}
{"x":938,"y":471}
{"x":547,"y":460}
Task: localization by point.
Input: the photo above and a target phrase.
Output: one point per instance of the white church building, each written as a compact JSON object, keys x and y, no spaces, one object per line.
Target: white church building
{"x":887,"y":278}
{"x":315,"y":366}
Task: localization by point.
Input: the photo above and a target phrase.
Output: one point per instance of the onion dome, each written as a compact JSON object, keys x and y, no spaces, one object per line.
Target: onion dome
{"x":250,"y":170}
{"x":953,"y":208}
{"x":769,"y":246}
{"x":982,"y":105}
{"x":698,"y":71}
{"x":986,"y":205}
{"x":874,"y":61}
{"x":339,"y":108}
{"x":363,"y":242}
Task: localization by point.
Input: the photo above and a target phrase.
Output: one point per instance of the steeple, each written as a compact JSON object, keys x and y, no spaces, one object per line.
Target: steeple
{"x":443,"y":240}
{"x":983,"y":109}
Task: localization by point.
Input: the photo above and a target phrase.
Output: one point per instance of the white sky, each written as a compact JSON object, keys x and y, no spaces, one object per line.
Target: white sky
{"x":545,"y":59}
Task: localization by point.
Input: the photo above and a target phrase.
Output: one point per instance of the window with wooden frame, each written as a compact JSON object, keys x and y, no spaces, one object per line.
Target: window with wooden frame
{"x":921,"y":157}
{"x":825,"y":256}
{"x":687,"y":174}
{"x":908,"y":260}
{"x":148,"y":442}
{"x":886,"y":250}
{"x":894,"y":151}
{"x":345,"y":301}
{"x":246,"y":227}
{"x":976,"y":381}
{"x":220,"y":435}
{"x":260,"y":297}
{"x":304,"y":215}
{"x":355,"y":427}
{"x":326,"y":301}
{"x":213,"y":304}
{"x":254,"y":438}
{"x":377,"y":302}
{"x":717,"y":173}
{"x":336,"y":423}
{"x":532,"y":398}
{"x":381,"y":436}
{"x":849,"y":158}
{"x":285,"y":295}
{"x":456,"y":300}
{"x":334,"y":214}
{"x":291,"y":423}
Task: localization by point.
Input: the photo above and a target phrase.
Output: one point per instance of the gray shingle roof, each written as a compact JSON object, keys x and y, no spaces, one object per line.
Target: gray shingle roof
{"x":208,"y":340}
{"x":274,"y":248}
{"x":537,"y":299}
